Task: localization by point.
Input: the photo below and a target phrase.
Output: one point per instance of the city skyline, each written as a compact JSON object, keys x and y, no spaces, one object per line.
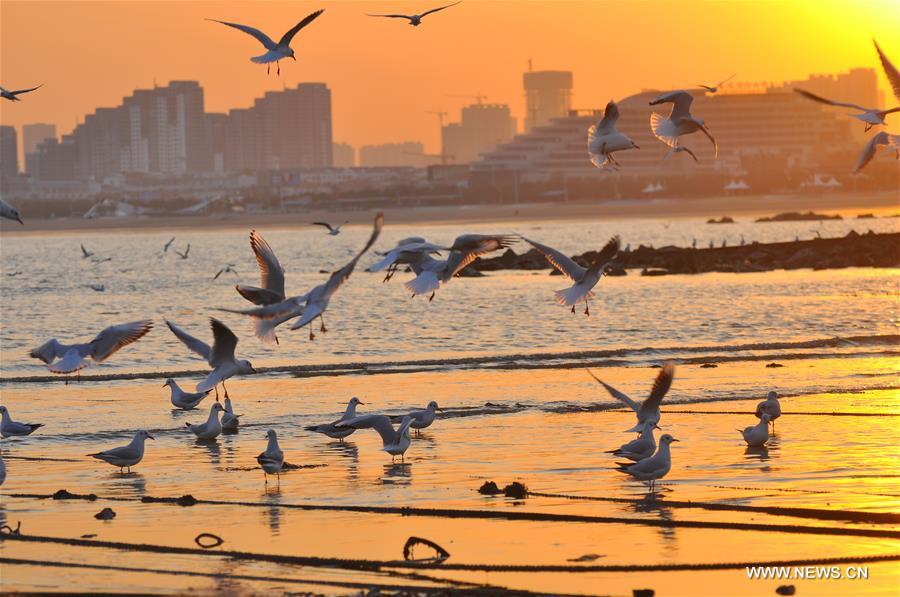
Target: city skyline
{"x":435,"y":80}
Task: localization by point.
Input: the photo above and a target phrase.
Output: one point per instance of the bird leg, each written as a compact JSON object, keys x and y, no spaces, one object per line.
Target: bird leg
{"x":587,"y":310}
{"x":268,"y":66}
{"x":573,"y":309}
{"x":266,"y":477}
{"x":431,"y":298}
{"x":217,"y":392}
{"x":311,"y":335}
{"x":322,"y":328}
{"x":278,"y":64}
{"x":868,"y":126}
{"x":224,"y":387}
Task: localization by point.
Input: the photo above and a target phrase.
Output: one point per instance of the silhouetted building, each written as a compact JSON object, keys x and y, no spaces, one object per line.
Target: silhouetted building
{"x":282,"y":130}
{"x":54,"y":160}
{"x":548,"y":94}
{"x":408,"y":153}
{"x":32,"y":136}
{"x":481,"y":128}
{"x":9,"y":153}
{"x":344,"y":155}
{"x":216,"y":130}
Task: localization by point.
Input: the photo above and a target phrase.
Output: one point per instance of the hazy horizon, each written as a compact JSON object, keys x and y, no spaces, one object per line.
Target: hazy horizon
{"x":500,"y":39}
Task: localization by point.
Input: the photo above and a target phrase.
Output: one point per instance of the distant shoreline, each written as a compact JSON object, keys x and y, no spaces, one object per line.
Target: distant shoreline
{"x":847,"y":204}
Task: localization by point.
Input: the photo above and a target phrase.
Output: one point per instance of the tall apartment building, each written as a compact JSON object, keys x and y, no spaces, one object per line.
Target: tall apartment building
{"x":548,"y":95}
{"x":9,"y":152}
{"x":481,"y":128}
{"x":32,"y":136}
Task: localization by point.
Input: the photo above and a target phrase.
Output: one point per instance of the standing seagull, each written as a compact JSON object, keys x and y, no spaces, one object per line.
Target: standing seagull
{"x":655,"y":467}
{"x":9,"y":212}
{"x":640,"y":448}
{"x":272,"y":459}
{"x":275,"y":51}
{"x":871,"y":116}
{"x":73,"y":357}
{"x":212,"y":427}
{"x":647,"y":412}
{"x":230,"y":421}
{"x":757,"y":435}
{"x":332,"y":230}
{"x":331,"y":429}
{"x":680,"y":121}
{"x":184,"y":400}
{"x":770,"y":406}
{"x":126,"y":456}
{"x":10,"y":428}
{"x":12,"y":95}
{"x":868,"y":152}
{"x":394,"y":441}
{"x":604,"y":138}
{"x":424,"y":418}
{"x":715,"y":88}
{"x":585,"y":278}
{"x":220,"y":356}
{"x":464,"y":250}
{"x":414,"y":20}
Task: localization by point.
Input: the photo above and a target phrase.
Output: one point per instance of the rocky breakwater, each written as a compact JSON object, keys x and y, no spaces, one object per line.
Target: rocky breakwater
{"x":853,"y":250}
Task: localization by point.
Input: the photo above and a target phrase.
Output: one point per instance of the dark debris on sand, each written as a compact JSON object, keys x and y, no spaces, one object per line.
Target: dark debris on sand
{"x":105,"y":514}
{"x":62,"y":494}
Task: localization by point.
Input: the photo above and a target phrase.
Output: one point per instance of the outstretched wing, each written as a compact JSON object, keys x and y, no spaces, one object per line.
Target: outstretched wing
{"x":340,"y":276}
{"x":660,"y":386}
{"x":483,"y":243}
{"x":617,"y":394}
{"x":21,"y":91}
{"x":871,"y":147}
{"x":325,"y":224}
{"x":264,"y":39}
{"x":610,"y":117}
{"x":407,"y":17}
{"x":606,"y":254}
{"x":287,"y":37}
{"x":224,"y":343}
{"x":681,"y":102}
{"x":566,"y":266}
{"x":664,"y":129}
{"x":428,"y":12}
{"x":822,"y":100}
{"x":890,"y":71}
{"x":380,"y":423}
{"x":49,"y":351}
{"x":258,"y":296}
{"x":271,"y":274}
{"x":115,"y":337}
{"x":198,"y":346}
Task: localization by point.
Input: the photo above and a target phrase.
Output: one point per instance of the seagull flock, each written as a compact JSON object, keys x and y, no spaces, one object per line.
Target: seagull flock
{"x":649,"y":460}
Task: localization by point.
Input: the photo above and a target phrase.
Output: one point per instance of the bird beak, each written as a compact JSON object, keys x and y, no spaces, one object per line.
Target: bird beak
{"x":675,"y":440}
{"x":150,"y":436}
{"x":294,"y":58}
{"x":657,"y":427}
{"x":165,"y":384}
{"x":636,"y":146}
{"x":252,"y":370}
{"x":19,"y":220}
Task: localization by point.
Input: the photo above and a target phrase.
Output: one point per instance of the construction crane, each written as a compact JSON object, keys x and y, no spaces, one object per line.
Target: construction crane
{"x":478,"y":97}
{"x":440,"y":114}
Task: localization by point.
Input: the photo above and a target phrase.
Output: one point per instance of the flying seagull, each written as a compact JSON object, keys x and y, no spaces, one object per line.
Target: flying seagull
{"x":332,"y":230}
{"x":604,"y":138}
{"x":274,"y":51}
{"x":168,"y":244}
{"x":271,"y":274}
{"x":394,"y":441}
{"x":228,"y":269}
{"x":73,"y":357}
{"x":871,"y":116}
{"x":715,"y":88}
{"x":408,"y":251}
{"x":647,"y":412}
{"x":868,"y":152}
{"x":9,"y":212}
{"x":414,"y":20}
{"x":680,"y":121}
{"x":585,"y":278}
{"x":184,"y":255}
{"x":219,"y":356}
{"x":12,"y":95}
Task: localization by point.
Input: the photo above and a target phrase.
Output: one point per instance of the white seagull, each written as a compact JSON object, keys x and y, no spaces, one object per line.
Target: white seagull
{"x":757,"y":435}
{"x":655,"y":467}
{"x":871,"y":116}
{"x":408,"y":251}
{"x":395,"y":441}
{"x":274,"y":51}
{"x":220,"y":356}
{"x":331,"y":429}
{"x":230,"y":421}
{"x":464,"y":250}
{"x":9,"y":212}
{"x":227,"y":269}
{"x":424,"y":418}
{"x":640,"y":448}
{"x":715,"y":88}
{"x":414,"y":20}
{"x":584,"y":278}
{"x":212,"y":427}
{"x":680,"y":121}
{"x":73,"y":357}
{"x":604,"y":138}
{"x":868,"y":152}
{"x":184,"y":400}
{"x":271,"y":274}
{"x":126,"y":456}
{"x":647,"y":412}
{"x":332,"y":230}
{"x":770,"y":406}
{"x":13,"y":95}
{"x":272,"y":459}
{"x":10,"y":428}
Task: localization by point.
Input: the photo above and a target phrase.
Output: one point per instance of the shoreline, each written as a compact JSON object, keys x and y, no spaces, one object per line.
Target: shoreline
{"x":849,"y":205}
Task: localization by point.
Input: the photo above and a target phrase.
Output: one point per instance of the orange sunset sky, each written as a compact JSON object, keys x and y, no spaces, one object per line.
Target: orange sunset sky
{"x":384,"y":75}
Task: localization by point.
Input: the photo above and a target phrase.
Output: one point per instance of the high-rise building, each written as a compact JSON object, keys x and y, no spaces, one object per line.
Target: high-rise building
{"x":282,"y":130}
{"x":54,"y":160}
{"x":548,"y":95}
{"x":344,"y":155}
{"x":407,"y":153}
{"x":32,"y":136}
{"x":481,"y":128}
{"x":9,"y":153}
